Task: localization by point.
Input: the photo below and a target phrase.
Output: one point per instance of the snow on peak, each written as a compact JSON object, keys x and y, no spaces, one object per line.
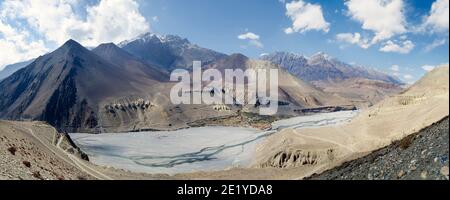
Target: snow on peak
{"x":321,"y":55}
{"x":282,"y":54}
{"x":148,"y":37}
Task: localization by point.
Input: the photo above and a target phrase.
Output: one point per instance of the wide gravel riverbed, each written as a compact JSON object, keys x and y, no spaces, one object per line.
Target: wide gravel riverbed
{"x":190,"y":150}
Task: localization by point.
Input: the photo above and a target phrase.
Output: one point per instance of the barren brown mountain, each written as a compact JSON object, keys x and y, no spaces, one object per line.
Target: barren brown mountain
{"x":110,"y":90}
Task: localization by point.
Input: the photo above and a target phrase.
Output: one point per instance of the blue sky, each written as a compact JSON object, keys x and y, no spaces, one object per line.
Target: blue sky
{"x":217,"y":24}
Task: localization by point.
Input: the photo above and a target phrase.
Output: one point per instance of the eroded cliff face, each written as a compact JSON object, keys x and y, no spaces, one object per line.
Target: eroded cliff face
{"x":297,"y":158}
{"x":130,"y":114}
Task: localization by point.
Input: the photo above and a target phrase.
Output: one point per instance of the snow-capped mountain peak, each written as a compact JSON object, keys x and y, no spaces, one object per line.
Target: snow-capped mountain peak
{"x":168,"y":51}
{"x":321,"y":56}
{"x":322,"y":66}
{"x":155,"y":37}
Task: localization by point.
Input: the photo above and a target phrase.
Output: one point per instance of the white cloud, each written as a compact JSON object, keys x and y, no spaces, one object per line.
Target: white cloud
{"x":435,"y":44}
{"x":353,"y":39}
{"x":256,"y":43}
{"x":248,"y":36}
{"x":438,"y":17}
{"x":55,"y":20}
{"x":305,"y":17}
{"x":155,"y":19}
{"x":50,"y":22}
{"x":408,"y":76}
{"x":252,"y":38}
{"x":428,"y":67}
{"x":404,"y":48}
{"x":50,"y":18}
{"x":15,"y":46}
{"x":395,"y":68}
{"x":383,"y":17}
{"x":114,"y":21}
{"x":289,"y":30}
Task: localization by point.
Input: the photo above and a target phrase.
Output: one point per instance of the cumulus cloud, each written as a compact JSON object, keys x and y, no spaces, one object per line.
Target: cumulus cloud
{"x":353,"y":38}
{"x":385,"y":18}
{"x":403,"y":48}
{"x":16,"y":46}
{"x":437,"y":19}
{"x":114,"y":21}
{"x":305,"y":17}
{"x":51,"y":18}
{"x":248,"y":36}
{"x":56,"y":20}
{"x":252,"y":38}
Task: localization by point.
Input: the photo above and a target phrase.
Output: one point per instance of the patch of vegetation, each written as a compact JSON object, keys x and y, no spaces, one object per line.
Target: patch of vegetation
{"x":256,"y":118}
{"x":406,"y":142}
{"x":27,"y":164}
{"x":239,"y":119}
{"x":37,"y":174}
{"x":12,"y":150}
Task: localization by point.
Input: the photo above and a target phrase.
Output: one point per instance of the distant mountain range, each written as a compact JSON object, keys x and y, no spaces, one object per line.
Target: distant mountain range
{"x":10,"y":69}
{"x":121,"y":88}
{"x":322,"y":67}
{"x":169,"y":51}
{"x":362,"y":86}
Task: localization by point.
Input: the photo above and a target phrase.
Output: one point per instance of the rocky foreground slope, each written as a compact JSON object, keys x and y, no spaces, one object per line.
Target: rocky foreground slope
{"x":35,"y":151}
{"x":423,"y":155}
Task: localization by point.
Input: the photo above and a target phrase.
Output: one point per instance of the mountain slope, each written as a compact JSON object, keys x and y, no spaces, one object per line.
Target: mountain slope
{"x":322,"y":67}
{"x":364,"y":87}
{"x":118,"y":56}
{"x":168,"y":51}
{"x":66,"y":87}
{"x":110,"y":90}
{"x":291,"y":89}
{"x":421,"y":156}
{"x":35,"y":151}
{"x":10,"y":69}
